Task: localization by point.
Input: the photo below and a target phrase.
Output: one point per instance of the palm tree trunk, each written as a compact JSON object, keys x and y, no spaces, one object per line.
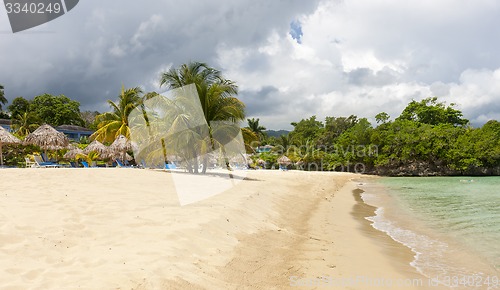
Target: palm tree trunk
{"x":164,"y":150}
{"x":189,"y":167}
{"x":226,"y":161}
{"x":1,"y":155}
{"x":205,"y":164}
{"x":195,"y":162}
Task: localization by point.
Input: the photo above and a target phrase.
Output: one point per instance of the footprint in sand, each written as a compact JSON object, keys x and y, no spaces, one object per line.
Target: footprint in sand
{"x":11,"y":239}
{"x":14,"y":271}
{"x":92,"y":263}
{"x":32,"y":275}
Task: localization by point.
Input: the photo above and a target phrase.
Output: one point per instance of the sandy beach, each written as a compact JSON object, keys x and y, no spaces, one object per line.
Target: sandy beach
{"x":125,"y":229}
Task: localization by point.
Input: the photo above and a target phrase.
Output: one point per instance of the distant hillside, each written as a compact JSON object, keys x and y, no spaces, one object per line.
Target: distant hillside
{"x":273,"y":133}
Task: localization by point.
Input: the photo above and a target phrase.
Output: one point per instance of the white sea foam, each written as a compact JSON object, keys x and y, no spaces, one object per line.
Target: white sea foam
{"x":434,"y":257}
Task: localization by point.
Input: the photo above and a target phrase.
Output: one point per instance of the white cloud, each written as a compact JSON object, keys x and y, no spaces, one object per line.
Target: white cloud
{"x":356,"y":56}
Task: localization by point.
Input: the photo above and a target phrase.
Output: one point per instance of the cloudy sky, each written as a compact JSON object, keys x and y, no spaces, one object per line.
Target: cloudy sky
{"x":291,"y":59}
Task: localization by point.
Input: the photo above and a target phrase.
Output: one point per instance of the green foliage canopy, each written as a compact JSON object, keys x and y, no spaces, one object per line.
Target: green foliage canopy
{"x":56,"y":110}
{"x":430,"y":111}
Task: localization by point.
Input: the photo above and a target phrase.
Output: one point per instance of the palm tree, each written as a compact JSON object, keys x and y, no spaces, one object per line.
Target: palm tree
{"x":254,"y":126}
{"x":3,"y":100}
{"x":216,"y":96}
{"x":90,"y":158}
{"x":250,"y":139}
{"x":113,"y":124}
{"x":284,"y":141}
{"x":215,"y":92}
{"x":25,"y":123}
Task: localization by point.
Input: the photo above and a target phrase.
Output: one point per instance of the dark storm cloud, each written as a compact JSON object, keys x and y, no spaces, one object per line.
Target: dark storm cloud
{"x":354,"y":57}
{"x":89,"y":53}
{"x":263,"y":102}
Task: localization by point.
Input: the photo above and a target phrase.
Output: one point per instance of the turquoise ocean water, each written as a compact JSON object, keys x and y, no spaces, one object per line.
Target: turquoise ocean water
{"x":451,"y":223}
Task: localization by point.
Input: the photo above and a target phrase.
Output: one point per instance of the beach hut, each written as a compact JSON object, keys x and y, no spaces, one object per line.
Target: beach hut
{"x":47,"y":138}
{"x":6,"y":138}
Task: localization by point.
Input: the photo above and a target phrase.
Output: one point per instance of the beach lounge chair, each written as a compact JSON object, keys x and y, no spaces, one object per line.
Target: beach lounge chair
{"x":170,"y":166}
{"x":85,"y":164}
{"x":29,"y":163}
{"x":40,"y":163}
{"x":120,"y":164}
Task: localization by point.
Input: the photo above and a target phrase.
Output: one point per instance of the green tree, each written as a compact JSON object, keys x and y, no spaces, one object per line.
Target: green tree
{"x":217,"y":99}
{"x":3,"y":100}
{"x":150,"y":95}
{"x":254,"y":126}
{"x":358,"y":134}
{"x":56,"y":110}
{"x":306,"y":129}
{"x":382,"y":117}
{"x":25,"y":123}
{"x":283,"y":143}
{"x":112,"y":124}
{"x":486,"y":142}
{"x":430,"y":111}
{"x":250,"y":138}
{"x":335,"y":126}
{"x":215,"y":92}
{"x":19,"y":106}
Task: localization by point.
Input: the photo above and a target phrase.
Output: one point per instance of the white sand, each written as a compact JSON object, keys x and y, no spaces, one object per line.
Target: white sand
{"x":124,"y":229}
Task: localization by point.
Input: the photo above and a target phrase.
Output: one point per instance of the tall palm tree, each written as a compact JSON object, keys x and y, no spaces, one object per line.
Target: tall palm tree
{"x":215,"y":92}
{"x":112,"y":124}
{"x":254,"y":126}
{"x":25,"y":123}
{"x":3,"y":100}
{"x":216,"y":96}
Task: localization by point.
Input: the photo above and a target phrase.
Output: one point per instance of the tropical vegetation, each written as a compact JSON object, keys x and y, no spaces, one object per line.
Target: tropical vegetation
{"x":429,"y":137}
{"x":110,"y":125}
{"x":3,"y":101}
{"x":220,"y":108}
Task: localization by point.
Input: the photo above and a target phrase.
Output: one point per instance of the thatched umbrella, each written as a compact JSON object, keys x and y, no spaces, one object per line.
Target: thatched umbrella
{"x":6,"y":138}
{"x":283,"y":160}
{"x":47,"y":138}
{"x":119,"y":155}
{"x":97,"y":147}
{"x":73,"y":152}
{"x":120,"y":145}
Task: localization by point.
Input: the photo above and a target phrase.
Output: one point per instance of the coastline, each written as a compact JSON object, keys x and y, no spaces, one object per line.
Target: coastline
{"x":437,"y":254}
{"x":364,"y":257}
{"x":124,"y":229}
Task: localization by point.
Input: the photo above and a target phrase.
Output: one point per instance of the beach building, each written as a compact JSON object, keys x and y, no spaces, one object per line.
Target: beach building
{"x":5,"y":123}
{"x":74,"y":133}
{"x":262,"y":149}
